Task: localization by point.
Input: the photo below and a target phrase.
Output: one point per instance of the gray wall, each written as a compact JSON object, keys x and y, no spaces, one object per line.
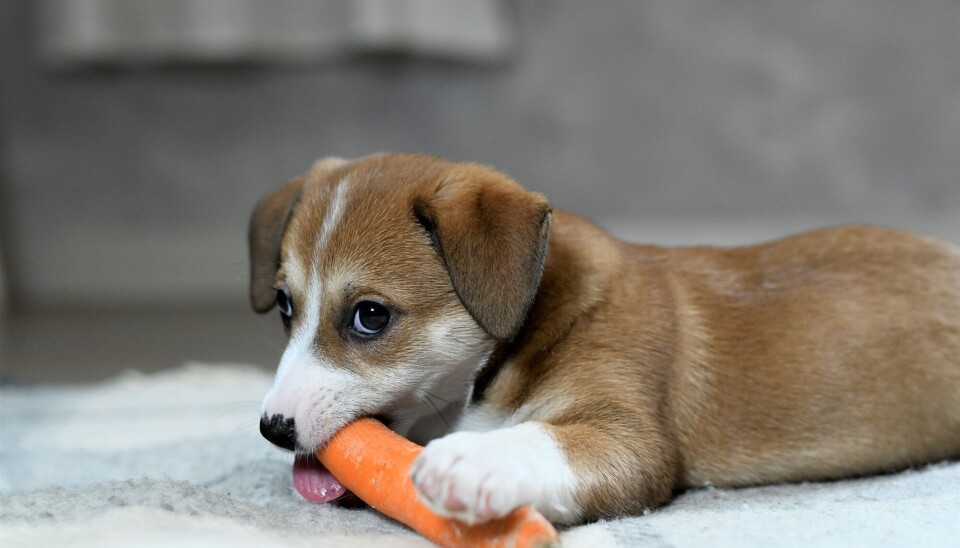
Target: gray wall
{"x":135,"y":184}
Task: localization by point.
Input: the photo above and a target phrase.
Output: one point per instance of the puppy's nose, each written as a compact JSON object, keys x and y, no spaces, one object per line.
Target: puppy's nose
{"x":279,"y":431}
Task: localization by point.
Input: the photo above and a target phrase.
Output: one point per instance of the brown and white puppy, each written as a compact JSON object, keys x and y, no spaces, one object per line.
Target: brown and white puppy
{"x":586,"y":376}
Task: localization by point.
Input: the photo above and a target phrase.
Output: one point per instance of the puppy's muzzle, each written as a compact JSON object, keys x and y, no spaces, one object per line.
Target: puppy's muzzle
{"x":279,"y":431}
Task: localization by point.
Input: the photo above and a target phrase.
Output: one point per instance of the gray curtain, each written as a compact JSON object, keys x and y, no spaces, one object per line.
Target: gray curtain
{"x":117,"y":32}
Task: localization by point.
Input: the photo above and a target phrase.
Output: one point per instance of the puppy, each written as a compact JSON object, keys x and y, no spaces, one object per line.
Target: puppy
{"x":584,"y":376}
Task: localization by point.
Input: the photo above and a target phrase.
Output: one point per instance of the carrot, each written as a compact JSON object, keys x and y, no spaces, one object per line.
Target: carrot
{"x":374,"y":462}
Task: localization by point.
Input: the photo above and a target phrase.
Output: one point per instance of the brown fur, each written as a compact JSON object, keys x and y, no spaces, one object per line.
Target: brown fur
{"x":824,"y":355}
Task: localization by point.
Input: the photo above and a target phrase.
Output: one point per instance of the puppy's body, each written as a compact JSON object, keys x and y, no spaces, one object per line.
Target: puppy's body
{"x":824,"y":355}
{"x":590,"y":377}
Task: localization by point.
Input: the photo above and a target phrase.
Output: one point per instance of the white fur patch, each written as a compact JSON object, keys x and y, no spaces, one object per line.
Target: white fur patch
{"x":298,"y":359}
{"x":479,"y":476}
{"x":307,"y":386}
{"x":333,"y":214}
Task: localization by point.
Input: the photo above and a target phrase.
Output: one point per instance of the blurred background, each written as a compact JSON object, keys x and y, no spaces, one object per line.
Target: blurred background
{"x":136,"y":136}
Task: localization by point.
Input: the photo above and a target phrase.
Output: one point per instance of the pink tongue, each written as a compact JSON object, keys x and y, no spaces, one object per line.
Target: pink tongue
{"x":314,"y":482}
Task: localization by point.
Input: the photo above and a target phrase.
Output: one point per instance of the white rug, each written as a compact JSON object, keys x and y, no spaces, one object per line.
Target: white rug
{"x":175,"y":459}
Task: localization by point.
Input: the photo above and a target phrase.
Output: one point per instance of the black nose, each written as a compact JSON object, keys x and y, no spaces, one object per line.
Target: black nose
{"x":279,"y":431}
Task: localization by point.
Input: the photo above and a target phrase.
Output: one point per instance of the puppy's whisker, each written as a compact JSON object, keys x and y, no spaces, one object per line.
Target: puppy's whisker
{"x":439,"y":414}
{"x":432,"y":395}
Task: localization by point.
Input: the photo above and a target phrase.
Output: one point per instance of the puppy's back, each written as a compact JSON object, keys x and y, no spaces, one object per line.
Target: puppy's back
{"x":827,"y":354}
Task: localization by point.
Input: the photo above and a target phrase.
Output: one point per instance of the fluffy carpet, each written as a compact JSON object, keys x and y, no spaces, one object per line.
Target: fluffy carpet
{"x":175,"y":459}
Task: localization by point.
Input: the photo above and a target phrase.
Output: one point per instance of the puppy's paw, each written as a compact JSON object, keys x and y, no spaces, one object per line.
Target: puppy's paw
{"x":476,"y":477}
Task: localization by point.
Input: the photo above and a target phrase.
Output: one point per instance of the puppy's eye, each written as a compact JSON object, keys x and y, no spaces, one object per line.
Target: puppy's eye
{"x":285,"y":306}
{"x":370,"y":318}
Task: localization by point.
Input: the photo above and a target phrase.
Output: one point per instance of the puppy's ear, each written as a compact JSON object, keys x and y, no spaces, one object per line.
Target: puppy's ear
{"x":492,"y":235}
{"x":267,"y":225}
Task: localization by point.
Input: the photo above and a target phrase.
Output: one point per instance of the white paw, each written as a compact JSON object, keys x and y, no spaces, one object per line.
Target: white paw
{"x":476,"y":477}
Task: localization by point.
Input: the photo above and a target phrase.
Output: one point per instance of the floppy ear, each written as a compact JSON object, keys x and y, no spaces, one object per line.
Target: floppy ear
{"x":492,"y":235}
{"x":267,"y":225}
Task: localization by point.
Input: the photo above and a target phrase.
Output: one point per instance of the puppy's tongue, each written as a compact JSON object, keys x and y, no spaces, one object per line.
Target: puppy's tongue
{"x":314,"y":482}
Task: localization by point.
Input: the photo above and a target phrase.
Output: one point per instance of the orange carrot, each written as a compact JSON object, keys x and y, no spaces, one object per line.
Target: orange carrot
{"x":374,"y":462}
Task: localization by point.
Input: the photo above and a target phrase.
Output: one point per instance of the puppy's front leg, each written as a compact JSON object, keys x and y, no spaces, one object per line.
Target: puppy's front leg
{"x":568,"y":472}
{"x":478,"y":476}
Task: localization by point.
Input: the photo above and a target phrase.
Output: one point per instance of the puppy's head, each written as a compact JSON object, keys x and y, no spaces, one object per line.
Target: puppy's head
{"x":395,"y":276}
